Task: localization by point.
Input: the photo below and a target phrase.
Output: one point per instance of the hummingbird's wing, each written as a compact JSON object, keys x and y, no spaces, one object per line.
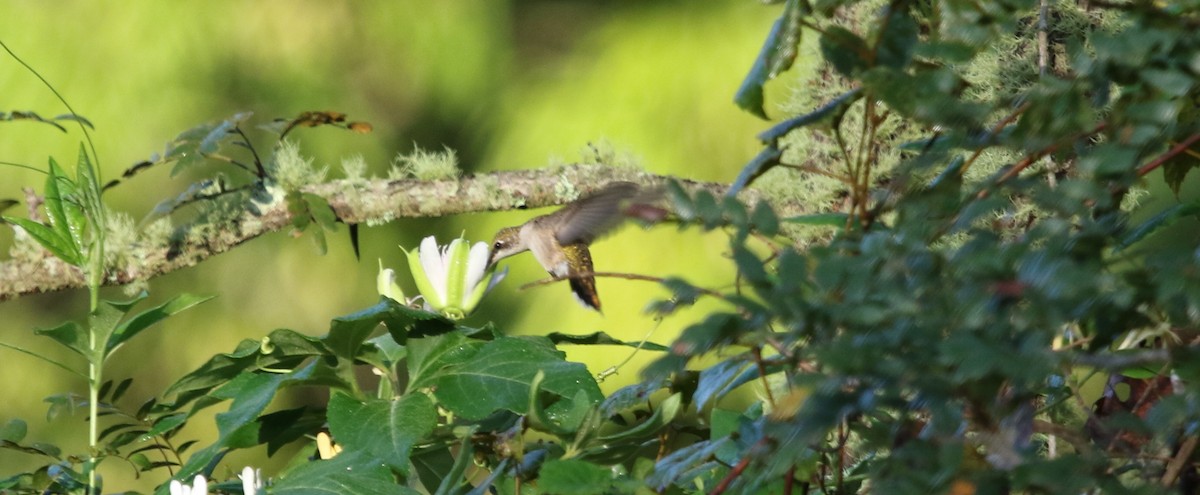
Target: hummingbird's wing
{"x":589,"y":217}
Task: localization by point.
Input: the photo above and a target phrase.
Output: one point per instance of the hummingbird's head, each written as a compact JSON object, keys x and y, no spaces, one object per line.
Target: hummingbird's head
{"x":507,"y":243}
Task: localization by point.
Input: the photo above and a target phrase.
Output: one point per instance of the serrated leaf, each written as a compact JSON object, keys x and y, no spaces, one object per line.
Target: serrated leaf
{"x":386,"y":429}
{"x":498,"y":377}
{"x":1156,"y":222}
{"x":135,"y":325}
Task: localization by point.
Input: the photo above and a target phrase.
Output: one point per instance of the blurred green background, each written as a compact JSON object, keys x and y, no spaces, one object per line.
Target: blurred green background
{"x":507,"y":84}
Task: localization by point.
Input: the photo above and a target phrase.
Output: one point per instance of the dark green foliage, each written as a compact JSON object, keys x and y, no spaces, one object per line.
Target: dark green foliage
{"x":935,"y":336}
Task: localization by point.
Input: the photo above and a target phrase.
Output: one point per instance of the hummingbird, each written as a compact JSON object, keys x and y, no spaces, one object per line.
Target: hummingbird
{"x":559,"y":240}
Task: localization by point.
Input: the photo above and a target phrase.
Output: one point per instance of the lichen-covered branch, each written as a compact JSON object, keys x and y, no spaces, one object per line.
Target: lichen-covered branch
{"x":371,"y":202}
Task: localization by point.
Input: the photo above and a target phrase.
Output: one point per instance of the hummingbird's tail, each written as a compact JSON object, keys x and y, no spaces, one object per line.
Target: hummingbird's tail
{"x":583,"y":284}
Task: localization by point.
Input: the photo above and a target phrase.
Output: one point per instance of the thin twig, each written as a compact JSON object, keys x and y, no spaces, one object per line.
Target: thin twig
{"x":1175,"y":150}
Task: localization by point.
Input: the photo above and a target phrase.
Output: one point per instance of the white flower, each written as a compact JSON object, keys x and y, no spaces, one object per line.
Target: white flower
{"x":452,"y":278}
{"x":252,"y":483}
{"x":199,"y":487}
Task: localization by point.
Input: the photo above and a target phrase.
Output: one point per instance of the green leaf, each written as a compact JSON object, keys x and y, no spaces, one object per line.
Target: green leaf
{"x":499,"y":375}
{"x":718,"y":380}
{"x":574,"y":477}
{"x":1156,"y":222}
{"x":14,"y":431}
{"x":846,"y":51}
{"x":238,"y":427}
{"x":898,"y":39}
{"x":56,"y":213}
{"x":428,"y":356}
{"x":348,"y":472}
{"x":601,"y":338}
{"x":666,"y":412}
{"x":454,"y":478}
{"x":60,"y":247}
{"x":764,"y":220}
{"x":777,"y":55}
{"x":826,"y":112}
{"x":685,"y":464}
{"x":133,"y":326}
{"x":386,"y":429}
{"x":320,"y":210}
{"x":68,"y":334}
{"x":766,"y":159}
{"x":820,"y":219}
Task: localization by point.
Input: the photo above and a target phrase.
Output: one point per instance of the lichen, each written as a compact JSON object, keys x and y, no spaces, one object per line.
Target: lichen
{"x":426,"y":165}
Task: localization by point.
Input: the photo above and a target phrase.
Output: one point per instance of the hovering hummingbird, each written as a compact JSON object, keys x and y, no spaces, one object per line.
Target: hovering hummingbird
{"x":559,"y":240}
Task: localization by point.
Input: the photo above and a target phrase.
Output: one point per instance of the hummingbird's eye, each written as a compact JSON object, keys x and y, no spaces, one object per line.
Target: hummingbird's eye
{"x":497,"y":245}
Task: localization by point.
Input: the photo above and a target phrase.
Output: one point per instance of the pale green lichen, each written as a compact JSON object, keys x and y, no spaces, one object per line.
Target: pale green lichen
{"x":291,"y":170}
{"x":426,"y":165}
{"x":355,"y":168}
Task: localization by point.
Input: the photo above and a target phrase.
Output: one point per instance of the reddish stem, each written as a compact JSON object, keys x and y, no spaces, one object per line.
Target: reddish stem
{"x":1175,"y":150}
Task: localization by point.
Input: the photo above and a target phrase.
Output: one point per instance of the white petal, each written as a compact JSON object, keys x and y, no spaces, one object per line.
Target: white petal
{"x":251,"y":480}
{"x":434,"y":263}
{"x":476,"y":265}
{"x":177,"y":488}
{"x":199,"y":486}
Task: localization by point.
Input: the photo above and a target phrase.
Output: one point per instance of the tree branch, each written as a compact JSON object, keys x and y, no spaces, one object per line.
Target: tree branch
{"x":373,"y":202}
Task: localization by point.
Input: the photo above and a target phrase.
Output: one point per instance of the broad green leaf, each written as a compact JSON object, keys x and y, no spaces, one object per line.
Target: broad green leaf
{"x":60,"y":247}
{"x":348,"y":472}
{"x":574,"y":477}
{"x":133,"y":326}
{"x":386,"y":429}
{"x":428,"y":356}
{"x":498,"y":377}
